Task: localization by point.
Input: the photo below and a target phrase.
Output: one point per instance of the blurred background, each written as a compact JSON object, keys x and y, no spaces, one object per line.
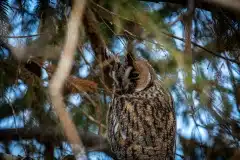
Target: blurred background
{"x":193,"y":45}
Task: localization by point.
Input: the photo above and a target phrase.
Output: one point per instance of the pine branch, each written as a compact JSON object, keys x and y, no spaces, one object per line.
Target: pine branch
{"x":53,"y":135}
{"x":203,"y":48}
{"x":98,"y":44}
{"x":231,"y":5}
{"x":108,"y":15}
{"x":4,"y":156}
{"x":91,"y":141}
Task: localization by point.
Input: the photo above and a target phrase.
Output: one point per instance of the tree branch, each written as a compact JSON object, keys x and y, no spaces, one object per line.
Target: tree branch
{"x":27,"y":36}
{"x":5,"y":156}
{"x":61,"y":74}
{"x":108,"y":15}
{"x":92,"y":30}
{"x":98,"y":44}
{"x":230,"y":5}
{"x":53,"y":135}
{"x":91,"y":141}
{"x":188,"y":27}
{"x":205,"y":49}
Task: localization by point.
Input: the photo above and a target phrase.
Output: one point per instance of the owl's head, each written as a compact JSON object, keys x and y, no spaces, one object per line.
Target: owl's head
{"x":129,"y":78}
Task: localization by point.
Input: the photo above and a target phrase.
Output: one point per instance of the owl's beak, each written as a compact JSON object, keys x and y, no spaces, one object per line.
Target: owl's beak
{"x":126,"y":79}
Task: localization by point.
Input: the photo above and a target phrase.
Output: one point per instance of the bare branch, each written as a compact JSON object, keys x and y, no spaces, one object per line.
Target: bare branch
{"x":61,"y":74}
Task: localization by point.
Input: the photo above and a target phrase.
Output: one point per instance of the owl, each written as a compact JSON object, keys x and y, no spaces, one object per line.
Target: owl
{"x":141,"y":118}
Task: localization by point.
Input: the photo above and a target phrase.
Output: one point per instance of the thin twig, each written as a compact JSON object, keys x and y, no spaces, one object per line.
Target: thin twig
{"x":89,"y":117}
{"x":94,"y":120}
{"x":15,"y":123}
{"x":199,"y":46}
{"x":181,"y":156}
{"x":26,"y":36}
{"x":61,"y":74}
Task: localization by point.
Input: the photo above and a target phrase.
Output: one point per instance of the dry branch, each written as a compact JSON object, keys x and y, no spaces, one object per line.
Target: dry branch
{"x":74,"y":84}
{"x":61,"y":74}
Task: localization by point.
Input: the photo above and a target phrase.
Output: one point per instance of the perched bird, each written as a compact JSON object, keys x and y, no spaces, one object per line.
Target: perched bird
{"x":141,"y":117}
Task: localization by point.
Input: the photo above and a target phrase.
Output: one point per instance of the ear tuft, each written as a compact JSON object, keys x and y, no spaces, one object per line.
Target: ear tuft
{"x":146,"y":74}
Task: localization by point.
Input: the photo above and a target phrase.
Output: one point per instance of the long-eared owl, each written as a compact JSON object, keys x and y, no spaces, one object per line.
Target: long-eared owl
{"x":141,"y":116}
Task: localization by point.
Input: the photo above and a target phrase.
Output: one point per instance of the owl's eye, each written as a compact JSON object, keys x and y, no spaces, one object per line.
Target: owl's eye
{"x":134,"y":75}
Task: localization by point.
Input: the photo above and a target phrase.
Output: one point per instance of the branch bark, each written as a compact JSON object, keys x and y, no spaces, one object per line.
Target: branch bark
{"x":98,"y":44}
{"x":61,"y":74}
{"x":93,"y":32}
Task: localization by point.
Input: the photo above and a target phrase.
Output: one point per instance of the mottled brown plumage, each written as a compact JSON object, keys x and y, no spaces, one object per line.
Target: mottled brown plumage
{"x":141,"y":117}
{"x":4,"y":31}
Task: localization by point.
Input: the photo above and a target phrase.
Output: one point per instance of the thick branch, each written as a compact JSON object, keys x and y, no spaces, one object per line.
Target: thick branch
{"x":93,"y":32}
{"x":98,"y":44}
{"x":61,"y":74}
